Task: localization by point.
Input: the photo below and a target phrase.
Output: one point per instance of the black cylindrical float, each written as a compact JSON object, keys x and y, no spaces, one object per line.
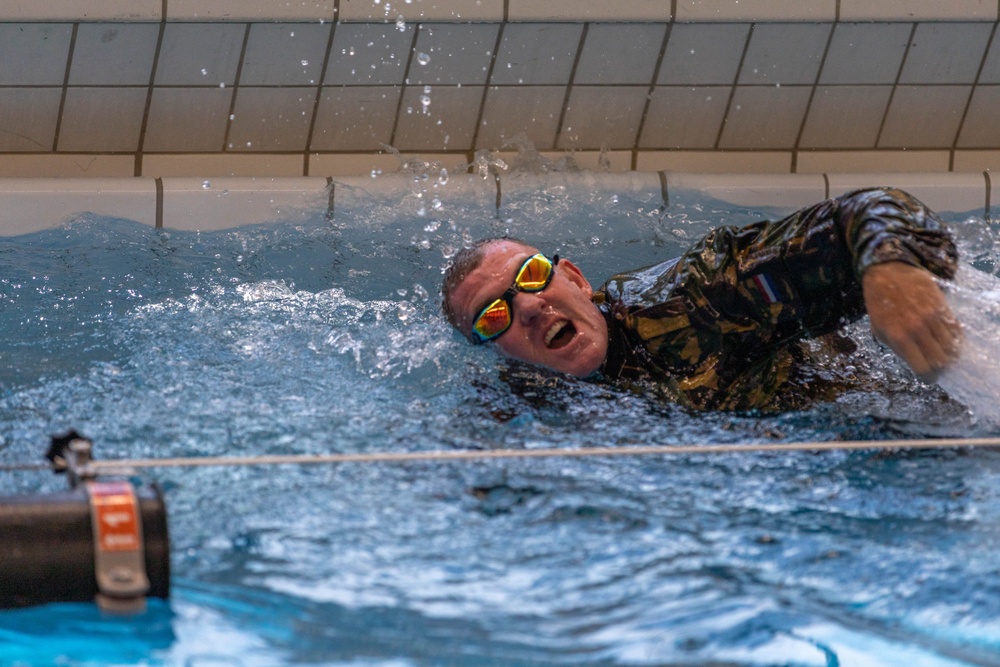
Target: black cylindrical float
{"x":47,"y":547}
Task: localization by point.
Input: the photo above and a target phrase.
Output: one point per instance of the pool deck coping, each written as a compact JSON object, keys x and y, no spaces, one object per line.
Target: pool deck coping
{"x":206,"y":204}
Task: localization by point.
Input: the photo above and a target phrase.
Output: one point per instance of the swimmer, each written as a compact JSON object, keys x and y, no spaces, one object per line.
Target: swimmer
{"x":716,"y":326}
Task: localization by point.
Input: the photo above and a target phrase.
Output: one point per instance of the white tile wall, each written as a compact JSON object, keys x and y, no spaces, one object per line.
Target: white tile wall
{"x":75,"y":10}
{"x":785,"y":53}
{"x":449,"y":123}
{"x":918,"y":10}
{"x":845,"y":117}
{"x":862,"y":53}
{"x":114,"y":54}
{"x":104,"y":120}
{"x":285,"y":54}
{"x":188,"y":120}
{"x":765,"y":117}
{"x":424,"y":10}
{"x":756,"y":10}
{"x":602,"y":117}
{"x":537,"y":53}
{"x":981,"y":126}
{"x":945,"y":53}
{"x":620,"y":53}
{"x":924,"y":116}
{"x":369,"y":54}
{"x":539,"y":109}
{"x":685,"y":117}
{"x":732,"y":81}
{"x":200,"y":54}
{"x":34,"y":54}
{"x":29,"y":117}
{"x":358,"y":118}
{"x":271,"y":119}
{"x":589,"y":10}
{"x":703,"y":53}
{"x":453,"y":53}
{"x":250,"y":10}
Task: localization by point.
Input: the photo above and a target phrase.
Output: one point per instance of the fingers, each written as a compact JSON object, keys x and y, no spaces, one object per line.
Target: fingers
{"x":931,"y":349}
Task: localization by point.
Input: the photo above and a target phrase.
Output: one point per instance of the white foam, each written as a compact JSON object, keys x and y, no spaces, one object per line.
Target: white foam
{"x":974,"y":380}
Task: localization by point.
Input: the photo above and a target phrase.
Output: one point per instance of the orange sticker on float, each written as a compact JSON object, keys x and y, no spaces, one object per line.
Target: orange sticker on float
{"x":115,"y":514}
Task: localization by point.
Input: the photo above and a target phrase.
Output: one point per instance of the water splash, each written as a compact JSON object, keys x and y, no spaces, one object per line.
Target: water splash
{"x":974,"y":379}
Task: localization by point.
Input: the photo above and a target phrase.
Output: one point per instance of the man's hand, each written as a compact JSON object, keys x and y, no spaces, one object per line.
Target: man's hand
{"x":909,"y":314}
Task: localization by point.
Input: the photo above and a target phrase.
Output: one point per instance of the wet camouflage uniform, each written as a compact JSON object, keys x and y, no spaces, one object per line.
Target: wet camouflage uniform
{"x":715,"y":326}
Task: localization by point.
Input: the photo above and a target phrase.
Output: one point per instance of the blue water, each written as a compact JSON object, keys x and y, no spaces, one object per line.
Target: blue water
{"x":324,"y":336}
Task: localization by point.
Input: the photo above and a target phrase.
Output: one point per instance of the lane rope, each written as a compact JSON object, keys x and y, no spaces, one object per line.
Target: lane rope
{"x":494,"y":454}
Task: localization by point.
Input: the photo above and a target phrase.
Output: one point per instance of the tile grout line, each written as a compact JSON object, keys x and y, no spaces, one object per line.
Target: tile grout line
{"x":735,"y":85}
{"x":236,"y":84}
{"x":159,"y":202}
{"x":404,"y":85}
{"x":895,"y":85}
{"x":65,"y":88}
{"x":972,"y":93}
{"x":316,"y":102}
{"x":989,"y":192}
{"x":649,"y":95}
{"x":486,"y":87}
{"x":330,"y":198}
{"x":144,"y":126}
{"x":809,"y":102}
{"x":569,"y":85}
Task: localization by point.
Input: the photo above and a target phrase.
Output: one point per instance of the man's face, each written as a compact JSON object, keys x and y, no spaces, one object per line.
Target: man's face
{"x":559,"y":327}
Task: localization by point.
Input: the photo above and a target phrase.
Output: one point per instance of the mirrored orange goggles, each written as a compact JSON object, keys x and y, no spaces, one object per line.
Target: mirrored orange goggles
{"x":533,"y":276}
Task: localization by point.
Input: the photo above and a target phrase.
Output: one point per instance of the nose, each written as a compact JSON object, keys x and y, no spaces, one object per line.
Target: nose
{"x":528,"y":306}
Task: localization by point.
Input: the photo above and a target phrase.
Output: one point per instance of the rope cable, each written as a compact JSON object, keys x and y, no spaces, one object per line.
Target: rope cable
{"x":118,"y":465}
{"x":467,"y":455}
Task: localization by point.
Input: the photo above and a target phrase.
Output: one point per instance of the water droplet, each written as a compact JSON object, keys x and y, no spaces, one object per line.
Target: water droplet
{"x":401,"y":24}
{"x":376,"y":173}
{"x":222,"y":85}
{"x":204,"y":72}
{"x":351,"y":52}
{"x":423,"y":58}
{"x":436,"y":204}
{"x":232,"y":116}
{"x":206,"y":185}
{"x":305,"y":63}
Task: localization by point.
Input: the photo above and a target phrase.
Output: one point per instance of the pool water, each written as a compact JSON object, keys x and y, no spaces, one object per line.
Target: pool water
{"x":325,"y":336}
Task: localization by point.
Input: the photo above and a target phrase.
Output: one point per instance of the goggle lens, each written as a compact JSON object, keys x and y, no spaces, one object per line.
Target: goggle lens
{"x":494,"y":320}
{"x":534,"y":274}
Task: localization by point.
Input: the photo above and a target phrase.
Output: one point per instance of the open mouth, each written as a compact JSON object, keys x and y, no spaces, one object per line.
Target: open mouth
{"x":559,"y":334}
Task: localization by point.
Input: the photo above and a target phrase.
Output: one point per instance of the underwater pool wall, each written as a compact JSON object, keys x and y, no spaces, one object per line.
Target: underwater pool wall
{"x":129,"y":107}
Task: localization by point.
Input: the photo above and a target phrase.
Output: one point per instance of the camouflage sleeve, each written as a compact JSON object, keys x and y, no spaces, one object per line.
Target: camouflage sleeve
{"x":803,"y":272}
{"x":886,"y":225}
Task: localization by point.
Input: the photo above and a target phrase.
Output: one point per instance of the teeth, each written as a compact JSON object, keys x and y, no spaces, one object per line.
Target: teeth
{"x":554,"y":331}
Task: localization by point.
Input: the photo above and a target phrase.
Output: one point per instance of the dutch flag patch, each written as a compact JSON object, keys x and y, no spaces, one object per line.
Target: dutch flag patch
{"x":767,"y":288}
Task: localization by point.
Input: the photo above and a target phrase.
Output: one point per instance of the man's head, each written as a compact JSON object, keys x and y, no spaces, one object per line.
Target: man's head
{"x":558,"y":326}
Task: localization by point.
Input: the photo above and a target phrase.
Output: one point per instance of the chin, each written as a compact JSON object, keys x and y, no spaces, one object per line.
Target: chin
{"x":579,"y":366}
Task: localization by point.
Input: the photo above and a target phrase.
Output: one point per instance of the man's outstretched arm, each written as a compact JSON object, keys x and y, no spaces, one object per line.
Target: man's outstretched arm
{"x":909,"y":313}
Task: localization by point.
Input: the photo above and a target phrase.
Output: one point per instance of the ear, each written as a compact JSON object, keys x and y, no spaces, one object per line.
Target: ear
{"x":575,"y":276}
